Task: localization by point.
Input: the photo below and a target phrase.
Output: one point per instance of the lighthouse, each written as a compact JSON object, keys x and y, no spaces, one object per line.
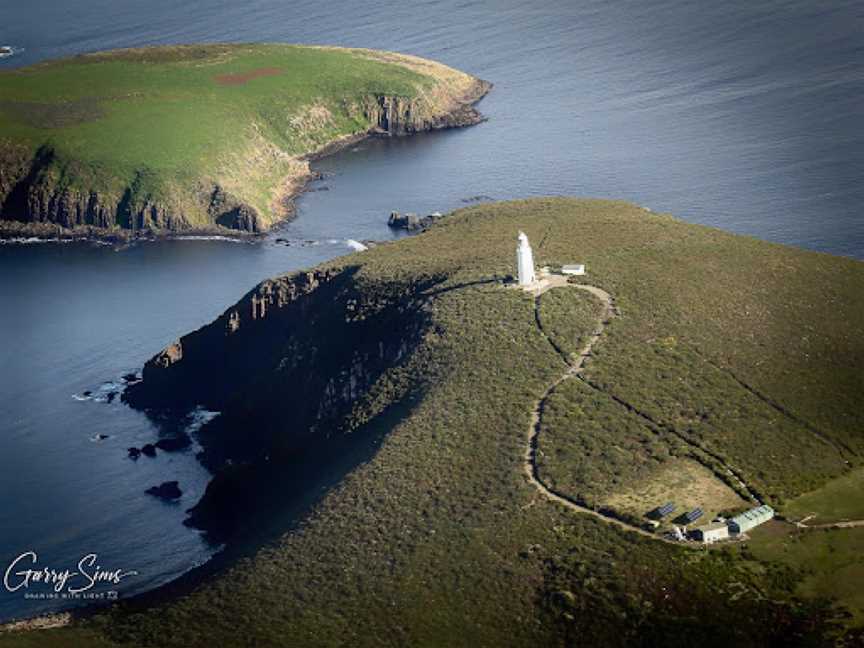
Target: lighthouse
{"x":525,"y":261}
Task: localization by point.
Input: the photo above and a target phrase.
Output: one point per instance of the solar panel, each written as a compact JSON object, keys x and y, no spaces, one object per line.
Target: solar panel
{"x":695,"y":514}
{"x":666,"y":509}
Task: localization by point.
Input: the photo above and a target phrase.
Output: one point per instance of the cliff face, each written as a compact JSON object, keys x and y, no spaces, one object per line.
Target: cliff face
{"x":394,"y":116}
{"x":289,"y":367}
{"x":37,"y":191}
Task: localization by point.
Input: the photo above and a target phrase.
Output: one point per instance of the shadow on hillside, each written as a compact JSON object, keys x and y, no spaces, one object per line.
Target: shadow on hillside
{"x":266,"y":500}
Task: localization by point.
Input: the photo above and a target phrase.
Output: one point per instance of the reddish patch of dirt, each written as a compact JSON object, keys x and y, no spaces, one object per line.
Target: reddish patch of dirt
{"x":240,"y":79}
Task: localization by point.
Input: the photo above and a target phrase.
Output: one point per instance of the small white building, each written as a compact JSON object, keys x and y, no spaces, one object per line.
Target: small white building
{"x":573,"y":269}
{"x":750,"y":519}
{"x":525,"y":261}
{"x":709,"y":533}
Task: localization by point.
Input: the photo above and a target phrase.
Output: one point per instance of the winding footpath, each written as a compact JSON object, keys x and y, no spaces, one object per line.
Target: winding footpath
{"x":846,"y":524}
{"x":573,"y":368}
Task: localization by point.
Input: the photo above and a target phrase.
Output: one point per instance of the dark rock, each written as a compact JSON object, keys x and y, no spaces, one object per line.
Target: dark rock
{"x":87,"y":393}
{"x":478,"y":198}
{"x":130,"y":377}
{"x":173,"y":444}
{"x":411,"y":222}
{"x":99,"y":437}
{"x":111,"y":396}
{"x":332,"y":348}
{"x":167,"y":491}
{"x":148,"y":450}
{"x":134,"y":453}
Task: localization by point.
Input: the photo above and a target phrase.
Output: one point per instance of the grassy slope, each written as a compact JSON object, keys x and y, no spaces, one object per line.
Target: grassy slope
{"x":840,"y":499}
{"x":830,"y":561}
{"x":439,"y":540}
{"x":162,"y":116}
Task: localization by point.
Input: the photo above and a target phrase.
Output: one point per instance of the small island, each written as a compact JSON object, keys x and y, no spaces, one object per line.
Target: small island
{"x":200,"y":138}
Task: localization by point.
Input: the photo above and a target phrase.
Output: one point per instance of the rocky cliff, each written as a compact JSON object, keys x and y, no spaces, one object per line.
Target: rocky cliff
{"x":299,"y":361}
{"x":37,"y":192}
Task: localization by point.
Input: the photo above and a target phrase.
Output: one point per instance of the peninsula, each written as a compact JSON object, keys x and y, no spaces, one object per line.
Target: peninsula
{"x":200,"y":138}
{"x":510,"y":445}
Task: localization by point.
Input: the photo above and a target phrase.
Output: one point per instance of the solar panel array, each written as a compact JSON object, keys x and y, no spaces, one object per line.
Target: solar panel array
{"x":695,"y":514}
{"x":666,"y":509}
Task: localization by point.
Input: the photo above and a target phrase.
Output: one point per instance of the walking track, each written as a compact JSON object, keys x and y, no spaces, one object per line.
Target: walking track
{"x":572,"y":369}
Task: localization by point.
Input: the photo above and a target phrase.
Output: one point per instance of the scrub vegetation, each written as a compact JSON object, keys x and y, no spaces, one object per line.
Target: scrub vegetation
{"x":729,"y":347}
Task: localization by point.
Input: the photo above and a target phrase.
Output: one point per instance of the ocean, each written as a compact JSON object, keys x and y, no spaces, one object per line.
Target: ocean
{"x":739,"y":115}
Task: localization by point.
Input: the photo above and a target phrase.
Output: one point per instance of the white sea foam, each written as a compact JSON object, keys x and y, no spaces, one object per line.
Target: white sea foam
{"x":198,"y":418}
{"x":32,"y":240}
{"x":37,"y":240}
{"x":356,"y":245}
{"x":209,"y":237}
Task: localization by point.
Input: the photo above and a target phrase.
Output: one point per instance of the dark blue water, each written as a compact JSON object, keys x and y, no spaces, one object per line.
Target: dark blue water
{"x":746,"y":116}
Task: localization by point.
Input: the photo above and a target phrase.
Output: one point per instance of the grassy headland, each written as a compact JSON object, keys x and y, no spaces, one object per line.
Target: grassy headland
{"x":725,"y":351}
{"x":198,"y":137}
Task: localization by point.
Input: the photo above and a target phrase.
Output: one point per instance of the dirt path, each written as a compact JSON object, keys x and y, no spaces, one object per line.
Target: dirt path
{"x":572,"y":368}
{"x":846,"y":524}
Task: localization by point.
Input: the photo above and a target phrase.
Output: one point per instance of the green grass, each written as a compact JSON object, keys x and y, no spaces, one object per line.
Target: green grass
{"x":838,"y":500}
{"x":439,"y":539}
{"x":829,"y":560}
{"x":163,"y":115}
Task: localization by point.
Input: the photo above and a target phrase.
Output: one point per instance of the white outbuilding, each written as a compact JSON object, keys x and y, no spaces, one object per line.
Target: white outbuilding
{"x":573,"y":269}
{"x":709,"y":533}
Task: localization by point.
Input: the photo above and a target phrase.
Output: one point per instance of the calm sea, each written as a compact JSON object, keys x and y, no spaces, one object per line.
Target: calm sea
{"x":746,"y":116}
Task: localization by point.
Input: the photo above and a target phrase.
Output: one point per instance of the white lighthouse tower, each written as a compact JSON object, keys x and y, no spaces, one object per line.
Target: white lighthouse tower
{"x":525,"y":261}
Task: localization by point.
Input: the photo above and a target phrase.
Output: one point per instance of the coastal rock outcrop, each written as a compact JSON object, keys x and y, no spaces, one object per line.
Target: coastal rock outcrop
{"x":169,"y":490}
{"x":412,"y":222}
{"x":394,"y":116}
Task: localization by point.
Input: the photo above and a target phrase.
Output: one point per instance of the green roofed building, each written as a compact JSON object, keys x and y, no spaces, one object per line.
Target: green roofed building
{"x":750,"y":519}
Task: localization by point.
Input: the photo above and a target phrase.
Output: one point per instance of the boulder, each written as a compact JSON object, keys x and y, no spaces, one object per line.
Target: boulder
{"x":412,"y":222}
{"x":166,"y":491}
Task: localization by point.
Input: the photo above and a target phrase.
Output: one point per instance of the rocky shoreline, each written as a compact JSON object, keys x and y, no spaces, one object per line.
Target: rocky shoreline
{"x":18,"y":232}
